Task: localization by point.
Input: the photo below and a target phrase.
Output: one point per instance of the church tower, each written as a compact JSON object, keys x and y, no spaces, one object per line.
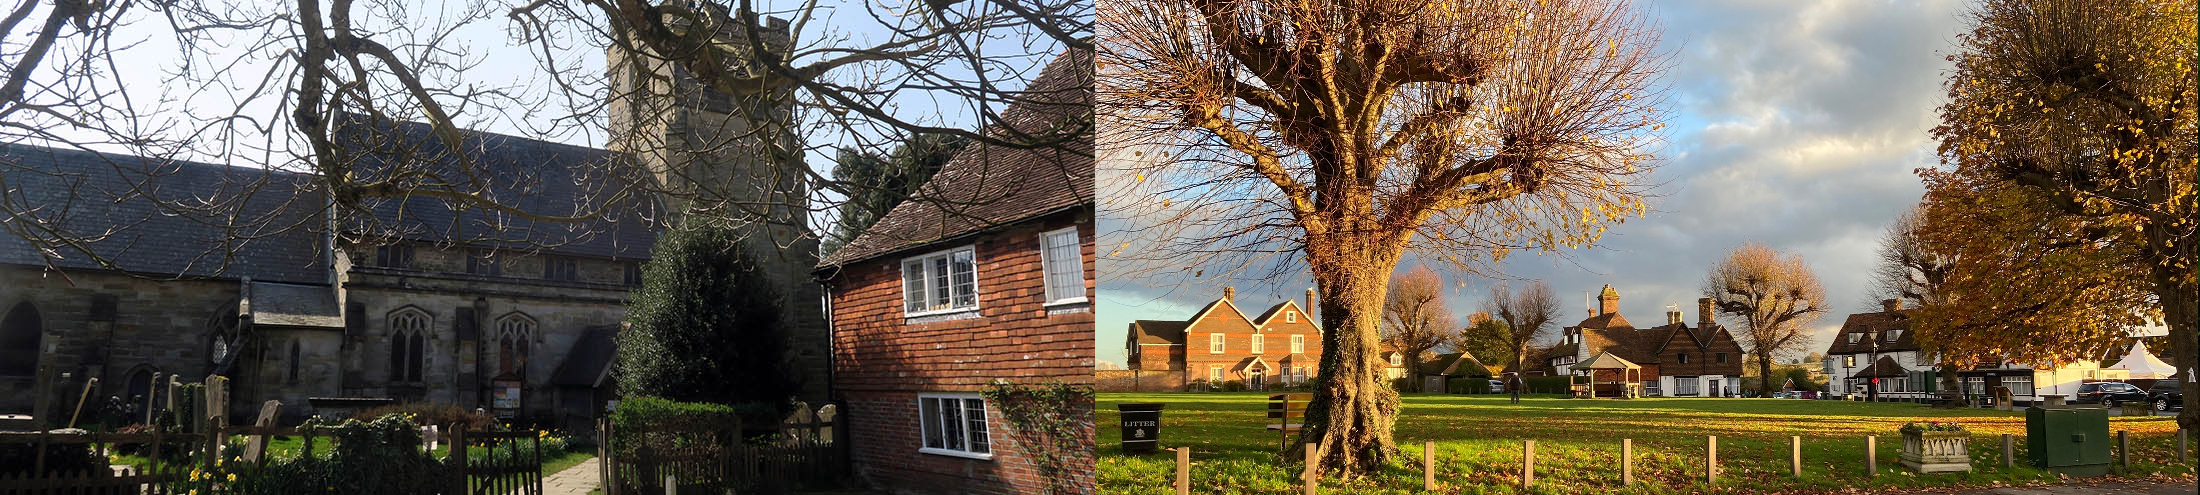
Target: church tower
{"x":729,"y":155}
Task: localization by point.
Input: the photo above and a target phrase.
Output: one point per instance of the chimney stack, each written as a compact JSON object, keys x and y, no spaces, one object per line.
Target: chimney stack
{"x":1608,"y":302}
{"x":1891,"y":305}
{"x":1703,"y":312}
{"x":1229,"y":293}
{"x":1309,"y":309}
{"x":1672,"y":317}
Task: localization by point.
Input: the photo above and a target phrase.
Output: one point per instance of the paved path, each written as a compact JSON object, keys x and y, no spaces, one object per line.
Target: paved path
{"x":2081,"y":487}
{"x":576,"y":480}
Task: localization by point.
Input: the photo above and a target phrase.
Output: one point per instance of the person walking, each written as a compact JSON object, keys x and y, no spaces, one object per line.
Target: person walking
{"x":1512,"y":384}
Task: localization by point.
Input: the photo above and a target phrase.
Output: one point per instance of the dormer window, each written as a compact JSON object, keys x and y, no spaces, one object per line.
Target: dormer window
{"x":1891,"y":334}
{"x":1854,"y":337}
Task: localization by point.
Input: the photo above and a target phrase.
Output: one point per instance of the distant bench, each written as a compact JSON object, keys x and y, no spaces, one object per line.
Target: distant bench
{"x":1283,"y":409}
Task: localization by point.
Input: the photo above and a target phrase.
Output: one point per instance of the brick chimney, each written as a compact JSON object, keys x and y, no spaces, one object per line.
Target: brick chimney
{"x":1229,"y":294}
{"x":1309,"y":309}
{"x":1703,"y":312}
{"x":1608,"y":302}
{"x":1672,"y":317}
{"x":1891,"y":305}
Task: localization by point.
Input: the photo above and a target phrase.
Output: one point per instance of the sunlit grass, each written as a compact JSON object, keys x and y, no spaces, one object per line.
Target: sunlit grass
{"x":1478,"y":440}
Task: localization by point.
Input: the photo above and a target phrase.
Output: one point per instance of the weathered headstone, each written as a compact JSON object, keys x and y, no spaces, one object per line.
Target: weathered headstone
{"x":81,"y":398}
{"x":258,"y":443}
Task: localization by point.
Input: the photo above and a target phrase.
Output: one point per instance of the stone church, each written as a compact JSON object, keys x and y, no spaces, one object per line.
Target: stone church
{"x":452,"y":305}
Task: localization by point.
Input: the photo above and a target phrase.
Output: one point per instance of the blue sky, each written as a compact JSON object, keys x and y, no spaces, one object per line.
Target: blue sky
{"x":1797,"y":124}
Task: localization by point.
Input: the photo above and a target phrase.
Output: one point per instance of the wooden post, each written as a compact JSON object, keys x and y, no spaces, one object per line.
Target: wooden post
{"x":458,"y":457}
{"x":1183,"y":471}
{"x":2008,"y":450}
{"x":2123,"y":449}
{"x":1527,"y":464}
{"x":1311,"y":479}
{"x":1795,"y":455}
{"x":2183,"y":448}
{"x":82,"y":397}
{"x":1711,"y":460}
{"x":1428,"y":466}
{"x":1626,"y":461}
{"x":1871,"y":455}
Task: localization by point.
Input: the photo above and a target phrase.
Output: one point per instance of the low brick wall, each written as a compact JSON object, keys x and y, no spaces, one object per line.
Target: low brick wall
{"x":1139,"y":381}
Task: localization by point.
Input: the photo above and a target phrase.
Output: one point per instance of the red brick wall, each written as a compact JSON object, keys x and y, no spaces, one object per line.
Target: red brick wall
{"x":881,"y":361}
{"x":1237,"y":344}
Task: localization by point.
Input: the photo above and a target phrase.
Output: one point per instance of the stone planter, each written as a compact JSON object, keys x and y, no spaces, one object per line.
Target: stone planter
{"x":1937,"y":451}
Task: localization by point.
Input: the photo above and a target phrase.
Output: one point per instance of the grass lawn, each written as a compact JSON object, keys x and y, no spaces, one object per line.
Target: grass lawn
{"x":1479,"y":437}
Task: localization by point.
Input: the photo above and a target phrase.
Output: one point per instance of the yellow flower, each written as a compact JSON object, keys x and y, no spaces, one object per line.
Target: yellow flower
{"x":232,"y":477}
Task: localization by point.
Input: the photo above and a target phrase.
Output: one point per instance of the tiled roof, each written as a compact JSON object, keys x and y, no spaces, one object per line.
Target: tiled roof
{"x":1885,"y":367}
{"x":585,"y":365}
{"x":1871,"y":327}
{"x":1158,"y":331}
{"x":986,"y":186}
{"x":1606,"y":321}
{"x":539,"y":177}
{"x":88,"y":195}
{"x":292,"y":305}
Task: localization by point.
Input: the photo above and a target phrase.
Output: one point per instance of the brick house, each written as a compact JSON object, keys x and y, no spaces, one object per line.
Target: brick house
{"x":984,"y":276}
{"x":1699,"y":361}
{"x":1221,"y":343}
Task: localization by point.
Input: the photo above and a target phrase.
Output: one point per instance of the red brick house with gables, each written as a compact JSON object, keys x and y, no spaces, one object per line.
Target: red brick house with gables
{"x":1221,"y":343}
{"x":1677,"y":360}
{"x":984,"y":275}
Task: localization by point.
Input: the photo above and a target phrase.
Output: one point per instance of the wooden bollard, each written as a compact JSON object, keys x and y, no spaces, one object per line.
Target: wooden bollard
{"x":2008,"y":450}
{"x":1312,"y":480}
{"x":1871,"y":455}
{"x":1711,"y":460}
{"x":1626,"y":461}
{"x":2123,"y":449}
{"x":2183,"y":448}
{"x":1428,"y":466}
{"x":1183,"y":471}
{"x":1527,"y":464}
{"x":1795,"y":455}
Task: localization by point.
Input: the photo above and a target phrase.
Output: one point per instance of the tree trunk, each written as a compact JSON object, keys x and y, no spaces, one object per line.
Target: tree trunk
{"x":1950,"y":386}
{"x":2182,"y":307}
{"x":1349,"y":420}
{"x":1764,"y":375}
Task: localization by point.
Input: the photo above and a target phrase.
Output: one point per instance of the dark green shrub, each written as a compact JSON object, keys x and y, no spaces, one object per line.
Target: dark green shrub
{"x":1233,"y":386}
{"x":704,"y":326}
{"x":1468,"y":386}
{"x":1547,"y":385}
{"x":645,"y":425}
{"x":369,"y":457}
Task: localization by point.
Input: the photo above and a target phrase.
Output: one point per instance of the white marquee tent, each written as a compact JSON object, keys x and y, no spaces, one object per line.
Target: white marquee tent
{"x":2142,"y":364}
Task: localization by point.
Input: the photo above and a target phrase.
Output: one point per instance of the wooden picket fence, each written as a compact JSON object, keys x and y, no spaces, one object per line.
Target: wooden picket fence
{"x":1310,"y":479}
{"x":518,"y":473}
{"x":808,"y":451}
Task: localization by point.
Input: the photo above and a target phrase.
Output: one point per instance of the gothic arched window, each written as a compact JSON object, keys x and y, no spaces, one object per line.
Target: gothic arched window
{"x":408,"y":344}
{"x":514,"y":331}
{"x":20,"y":332}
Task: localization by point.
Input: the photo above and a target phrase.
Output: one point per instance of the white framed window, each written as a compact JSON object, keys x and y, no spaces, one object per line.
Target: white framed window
{"x":1064,"y":262}
{"x":1397,"y":359}
{"x":1214,"y":343}
{"x":955,"y":425}
{"x":1260,"y":343}
{"x":1685,"y":385}
{"x":1298,"y":344}
{"x":1853,"y":337}
{"x":1214,"y":374}
{"x":942,"y":282}
{"x":1290,"y":317}
{"x":1892,"y":334}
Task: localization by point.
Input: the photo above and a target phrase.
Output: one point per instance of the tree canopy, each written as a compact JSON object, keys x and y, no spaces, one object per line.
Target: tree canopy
{"x":704,"y":326}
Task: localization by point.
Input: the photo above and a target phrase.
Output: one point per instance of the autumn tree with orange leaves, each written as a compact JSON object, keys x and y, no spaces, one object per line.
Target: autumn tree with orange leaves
{"x":2066,"y":185}
{"x":1348,"y":133}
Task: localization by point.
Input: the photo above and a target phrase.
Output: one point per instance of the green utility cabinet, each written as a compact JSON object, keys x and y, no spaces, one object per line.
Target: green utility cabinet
{"x":2071,"y":440}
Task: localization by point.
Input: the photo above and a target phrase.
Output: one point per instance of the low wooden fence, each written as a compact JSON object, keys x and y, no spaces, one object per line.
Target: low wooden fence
{"x":174,"y":461}
{"x":807,"y":451}
{"x":1310,"y":478}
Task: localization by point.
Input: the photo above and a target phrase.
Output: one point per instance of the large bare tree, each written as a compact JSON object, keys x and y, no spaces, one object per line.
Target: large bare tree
{"x":310,"y":91}
{"x":1415,"y":320}
{"x":1771,"y":297}
{"x":1347,"y":133}
{"x":1527,"y":315}
{"x":1912,"y":270}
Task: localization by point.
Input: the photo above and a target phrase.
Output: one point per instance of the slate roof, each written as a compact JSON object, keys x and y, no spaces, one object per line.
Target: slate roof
{"x":76,"y":192}
{"x":1871,"y":326}
{"x":539,"y":177}
{"x":1454,"y":364}
{"x":291,"y":305}
{"x":1158,"y":331}
{"x":589,"y":361}
{"x":986,"y":186}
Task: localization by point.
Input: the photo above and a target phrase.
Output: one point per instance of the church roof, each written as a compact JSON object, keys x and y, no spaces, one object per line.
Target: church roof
{"x":291,"y":305}
{"x":116,"y":202}
{"x":986,"y":186}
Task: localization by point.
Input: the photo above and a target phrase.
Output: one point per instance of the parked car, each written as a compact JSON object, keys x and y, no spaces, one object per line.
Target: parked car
{"x":1497,"y":386}
{"x":2166,"y":396}
{"x":2109,"y":393}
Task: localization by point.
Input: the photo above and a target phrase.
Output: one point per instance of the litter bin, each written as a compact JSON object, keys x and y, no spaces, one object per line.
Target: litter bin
{"x":2070,"y":440}
{"x":1141,"y":426}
